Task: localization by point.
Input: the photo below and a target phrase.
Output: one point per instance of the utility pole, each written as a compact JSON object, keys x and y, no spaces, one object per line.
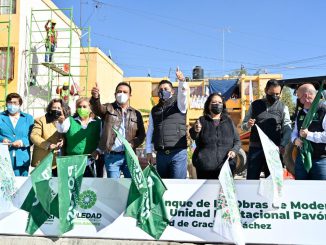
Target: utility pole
{"x":224,"y":29}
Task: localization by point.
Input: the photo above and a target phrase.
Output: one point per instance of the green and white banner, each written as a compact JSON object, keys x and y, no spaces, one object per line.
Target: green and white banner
{"x":271,"y":187}
{"x":227,"y":221}
{"x":7,"y":182}
{"x":70,"y":175}
{"x":191,"y":206}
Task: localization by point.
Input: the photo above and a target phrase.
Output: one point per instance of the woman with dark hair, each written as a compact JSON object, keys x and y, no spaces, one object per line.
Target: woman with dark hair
{"x":15,"y":129}
{"x":44,"y":134}
{"x":216,"y":139}
{"x":82,"y":132}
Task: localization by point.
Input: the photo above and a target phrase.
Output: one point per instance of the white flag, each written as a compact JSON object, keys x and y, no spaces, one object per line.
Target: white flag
{"x":272,"y":187}
{"x":7,"y":182}
{"x":227,"y":221}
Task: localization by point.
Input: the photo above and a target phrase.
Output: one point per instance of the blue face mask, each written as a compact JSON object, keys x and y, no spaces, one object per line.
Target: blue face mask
{"x":164,"y":95}
{"x":13,"y":109}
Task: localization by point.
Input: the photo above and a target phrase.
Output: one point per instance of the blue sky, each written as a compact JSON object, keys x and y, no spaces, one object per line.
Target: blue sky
{"x":281,"y":36}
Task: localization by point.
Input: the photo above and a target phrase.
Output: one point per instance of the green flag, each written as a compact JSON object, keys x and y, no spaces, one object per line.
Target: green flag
{"x":145,"y":199}
{"x":41,"y":200}
{"x":306,"y":150}
{"x":148,"y":208}
{"x":37,"y":215}
{"x":70,"y":176}
{"x":133,"y":164}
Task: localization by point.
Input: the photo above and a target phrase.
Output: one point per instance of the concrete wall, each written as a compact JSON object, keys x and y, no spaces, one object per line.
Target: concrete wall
{"x":18,"y":240}
{"x":35,"y":34}
{"x":21,"y":38}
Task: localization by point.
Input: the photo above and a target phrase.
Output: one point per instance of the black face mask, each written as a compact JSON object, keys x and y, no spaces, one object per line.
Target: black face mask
{"x":216,"y":108}
{"x":272,"y":98}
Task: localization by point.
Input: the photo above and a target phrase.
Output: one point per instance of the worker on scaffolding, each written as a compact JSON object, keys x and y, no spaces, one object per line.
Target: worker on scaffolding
{"x":65,"y":92}
{"x":51,"y":40}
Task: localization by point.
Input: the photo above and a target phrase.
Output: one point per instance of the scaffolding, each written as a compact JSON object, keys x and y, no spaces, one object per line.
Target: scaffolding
{"x":45,"y":78}
{"x":5,"y":26}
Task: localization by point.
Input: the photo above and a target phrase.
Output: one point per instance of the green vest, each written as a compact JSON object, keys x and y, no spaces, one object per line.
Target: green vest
{"x":82,"y":141}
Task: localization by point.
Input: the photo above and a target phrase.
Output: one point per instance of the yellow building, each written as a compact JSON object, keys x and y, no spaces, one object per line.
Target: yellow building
{"x":5,"y":18}
{"x":101,"y":69}
{"x":144,"y":91}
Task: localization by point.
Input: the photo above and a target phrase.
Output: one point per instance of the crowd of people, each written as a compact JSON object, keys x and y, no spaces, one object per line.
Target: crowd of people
{"x":90,"y":131}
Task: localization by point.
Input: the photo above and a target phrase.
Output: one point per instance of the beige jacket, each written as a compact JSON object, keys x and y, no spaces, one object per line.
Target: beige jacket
{"x":43,"y":134}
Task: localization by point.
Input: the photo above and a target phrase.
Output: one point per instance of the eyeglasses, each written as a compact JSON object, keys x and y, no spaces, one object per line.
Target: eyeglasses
{"x":82,"y":106}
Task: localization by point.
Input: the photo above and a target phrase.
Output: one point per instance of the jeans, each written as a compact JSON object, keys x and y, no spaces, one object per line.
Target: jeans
{"x":256,"y":163}
{"x":21,"y":171}
{"x":49,"y":52}
{"x":317,"y":171}
{"x":114,"y":163}
{"x":172,"y":165}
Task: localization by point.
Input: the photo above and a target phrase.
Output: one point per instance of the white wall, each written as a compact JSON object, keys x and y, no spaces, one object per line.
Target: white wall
{"x":38,"y":40}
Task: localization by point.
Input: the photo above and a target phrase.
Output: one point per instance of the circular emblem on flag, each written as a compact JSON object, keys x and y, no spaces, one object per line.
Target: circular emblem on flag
{"x":87,"y":199}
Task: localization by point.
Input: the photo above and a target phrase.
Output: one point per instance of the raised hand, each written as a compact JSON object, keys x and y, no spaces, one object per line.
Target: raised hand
{"x":179,"y":74}
{"x":251,"y":122}
{"x":95,"y":91}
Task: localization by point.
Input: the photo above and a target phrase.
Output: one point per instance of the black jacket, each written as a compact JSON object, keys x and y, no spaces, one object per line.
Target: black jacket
{"x":214,"y":142}
{"x":269,"y":119}
{"x":169,"y":126}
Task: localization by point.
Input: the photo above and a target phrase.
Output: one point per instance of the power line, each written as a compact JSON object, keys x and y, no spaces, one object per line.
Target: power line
{"x":169,"y":50}
{"x":292,"y":62}
{"x":213,"y":28}
{"x":148,"y":14}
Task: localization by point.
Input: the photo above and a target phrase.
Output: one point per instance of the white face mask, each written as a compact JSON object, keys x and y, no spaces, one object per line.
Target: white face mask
{"x":122,"y":98}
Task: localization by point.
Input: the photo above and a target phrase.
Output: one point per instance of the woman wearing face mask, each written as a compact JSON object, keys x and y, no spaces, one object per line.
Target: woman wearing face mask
{"x":216,"y":139}
{"x":82,"y":132}
{"x":45,"y":136}
{"x":15,"y":129}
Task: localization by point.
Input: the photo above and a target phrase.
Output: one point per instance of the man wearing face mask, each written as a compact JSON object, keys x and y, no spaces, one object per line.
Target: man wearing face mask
{"x":315,"y":133}
{"x":15,"y":130}
{"x":126,"y":120}
{"x":167,"y":130}
{"x":273,"y":117}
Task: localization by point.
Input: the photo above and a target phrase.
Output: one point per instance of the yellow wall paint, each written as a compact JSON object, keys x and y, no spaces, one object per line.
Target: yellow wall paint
{"x":101,"y":69}
{"x":14,"y":42}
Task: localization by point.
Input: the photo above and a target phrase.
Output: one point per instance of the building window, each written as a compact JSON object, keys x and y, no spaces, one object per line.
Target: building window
{"x":5,"y":6}
{"x":3,"y":63}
